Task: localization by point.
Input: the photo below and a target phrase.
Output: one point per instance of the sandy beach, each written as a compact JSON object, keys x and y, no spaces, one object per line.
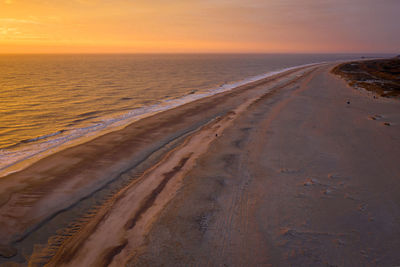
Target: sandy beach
{"x":296,"y":169}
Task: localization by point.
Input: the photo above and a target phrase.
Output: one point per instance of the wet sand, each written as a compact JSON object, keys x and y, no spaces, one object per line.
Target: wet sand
{"x":291,"y":170}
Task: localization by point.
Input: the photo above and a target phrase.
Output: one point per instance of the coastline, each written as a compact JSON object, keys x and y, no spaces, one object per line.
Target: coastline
{"x":30,"y":155}
{"x":62,"y":179}
{"x":263,"y":160}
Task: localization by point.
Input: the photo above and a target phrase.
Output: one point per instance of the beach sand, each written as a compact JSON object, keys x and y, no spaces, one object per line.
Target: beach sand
{"x":290,"y":170}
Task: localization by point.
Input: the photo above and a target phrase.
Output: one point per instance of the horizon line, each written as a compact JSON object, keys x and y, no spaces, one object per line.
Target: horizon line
{"x":196,"y":53}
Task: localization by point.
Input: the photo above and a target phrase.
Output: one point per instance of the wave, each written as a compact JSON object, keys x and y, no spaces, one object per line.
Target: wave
{"x":11,"y":160}
{"x":42,"y":137}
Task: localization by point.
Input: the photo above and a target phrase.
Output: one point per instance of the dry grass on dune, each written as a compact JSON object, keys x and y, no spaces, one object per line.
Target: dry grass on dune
{"x":380,"y":76}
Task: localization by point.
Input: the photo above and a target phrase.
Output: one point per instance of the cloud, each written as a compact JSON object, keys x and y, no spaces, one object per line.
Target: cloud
{"x":12,"y":29}
{"x":8,"y":2}
{"x":18,"y":21}
{"x":12,"y":33}
{"x":4,"y":30}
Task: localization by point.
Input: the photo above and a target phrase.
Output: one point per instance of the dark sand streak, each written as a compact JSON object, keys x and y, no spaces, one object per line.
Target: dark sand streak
{"x":113,"y":252}
{"x":148,"y":202}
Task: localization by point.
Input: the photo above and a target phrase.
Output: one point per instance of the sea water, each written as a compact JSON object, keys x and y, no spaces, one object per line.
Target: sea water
{"x":49,"y":101}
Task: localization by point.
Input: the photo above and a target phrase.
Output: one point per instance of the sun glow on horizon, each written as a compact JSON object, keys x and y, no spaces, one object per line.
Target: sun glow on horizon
{"x":194,"y":26}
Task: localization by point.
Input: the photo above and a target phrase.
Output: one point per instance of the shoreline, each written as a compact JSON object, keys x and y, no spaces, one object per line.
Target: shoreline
{"x":256,"y":175}
{"x":25,"y":192}
{"x":151,"y":193}
{"x":121,"y":122}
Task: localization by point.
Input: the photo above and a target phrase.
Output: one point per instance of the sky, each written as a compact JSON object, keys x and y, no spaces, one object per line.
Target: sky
{"x":199,"y":26}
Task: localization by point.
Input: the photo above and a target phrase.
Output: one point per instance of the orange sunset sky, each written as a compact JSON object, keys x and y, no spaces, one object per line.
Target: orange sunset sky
{"x":199,"y":26}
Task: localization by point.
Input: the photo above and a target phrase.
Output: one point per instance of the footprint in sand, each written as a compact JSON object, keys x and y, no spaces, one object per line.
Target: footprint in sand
{"x":327,"y":191}
{"x":339,"y":242}
{"x":309,"y":182}
{"x":362,"y":207}
{"x":379,"y":117}
{"x":313,"y":181}
{"x":334,"y":176}
{"x":375,"y":117}
{"x":338,"y":179}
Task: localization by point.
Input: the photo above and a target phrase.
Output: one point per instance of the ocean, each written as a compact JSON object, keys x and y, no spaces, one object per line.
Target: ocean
{"x":48,"y":102}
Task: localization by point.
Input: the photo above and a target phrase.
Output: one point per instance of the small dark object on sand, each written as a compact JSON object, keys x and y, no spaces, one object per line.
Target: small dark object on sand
{"x":348,"y":102}
{"x":386,"y":123}
{"x":216,"y":134}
